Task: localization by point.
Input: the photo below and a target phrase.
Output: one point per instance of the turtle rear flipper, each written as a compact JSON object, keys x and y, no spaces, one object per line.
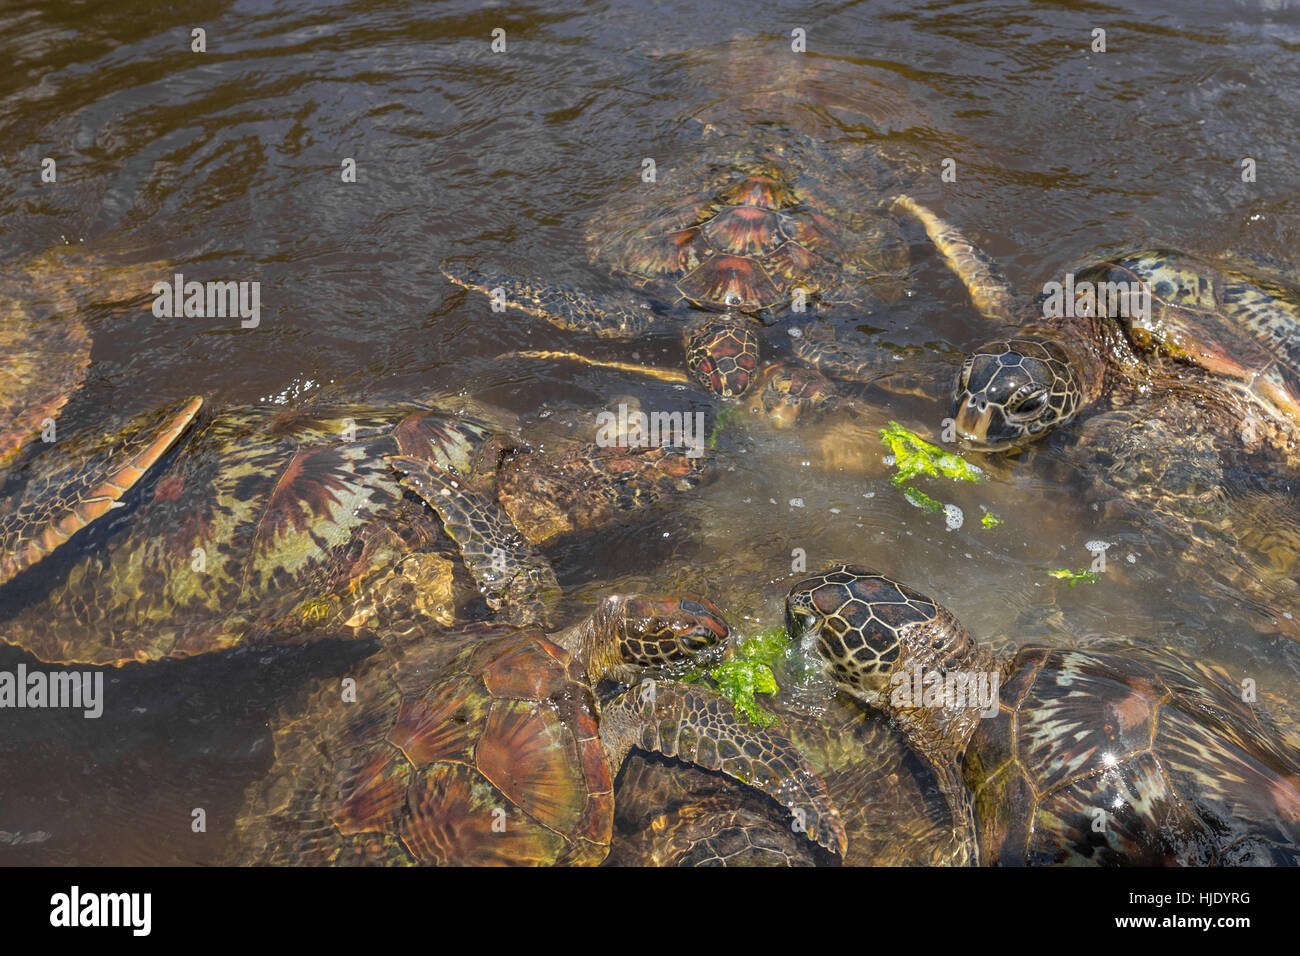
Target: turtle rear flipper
{"x":93,"y":477}
{"x":696,"y":725}
{"x":509,"y":572}
{"x":989,"y":290}
{"x":570,"y":309}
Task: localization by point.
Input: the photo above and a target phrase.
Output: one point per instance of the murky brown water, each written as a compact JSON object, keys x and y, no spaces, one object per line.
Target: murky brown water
{"x":226,"y":165}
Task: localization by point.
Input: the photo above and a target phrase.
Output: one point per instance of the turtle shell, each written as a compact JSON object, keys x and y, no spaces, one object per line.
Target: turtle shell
{"x":1110,"y":757}
{"x":1241,"y":329}
{"x":669,"y":814}
{"x":271,"y":523}
{"x":480,"y":748}
{"x":673,"y":814}
{"x":749,"y":232}
{"x":267,"y":521}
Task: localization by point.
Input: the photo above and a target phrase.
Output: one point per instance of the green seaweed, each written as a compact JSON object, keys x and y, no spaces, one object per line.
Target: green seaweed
{"x":1074,"y":577}
{"x":749,"y":672}
{"x":739,"y":681}
{"x":915,"y":457}
{"x":766,"y":647}
{"x":920,"y":498}
{"x":721,"y":420}
{"x":990,"y":520}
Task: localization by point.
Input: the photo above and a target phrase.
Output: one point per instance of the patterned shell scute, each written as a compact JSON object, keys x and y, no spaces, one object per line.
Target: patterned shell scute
{"x":495,"y":759}
{"x":1122,"y":758}
{"x":1240,"y":328}
{"x":272,"y":510}
{"x":763,"y":227}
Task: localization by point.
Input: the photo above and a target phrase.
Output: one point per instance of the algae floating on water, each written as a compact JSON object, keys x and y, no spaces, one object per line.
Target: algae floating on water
{"x":914,"y":456}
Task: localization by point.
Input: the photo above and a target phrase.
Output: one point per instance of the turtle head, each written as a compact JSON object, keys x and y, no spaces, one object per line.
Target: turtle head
{"x":722,"y":354}
{"x":868,"y":627}
{"x":1011,"y":393}
{"x":665,"y":634}
{"x":784,"y":394}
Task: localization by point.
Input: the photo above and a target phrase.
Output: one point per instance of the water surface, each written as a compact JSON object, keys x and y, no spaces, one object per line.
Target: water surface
{"x":226,"y":165}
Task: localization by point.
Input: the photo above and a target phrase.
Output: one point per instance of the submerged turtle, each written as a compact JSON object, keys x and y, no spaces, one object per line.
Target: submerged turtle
{"x":492,"y":746}
{"x":791,"y":229}
{"x":1212,"y":335}
{"x":271,"y":523}
{"x":46,"y":345}
{"x":669,"y":814}
{"x":672,"y":814}
{"x":893,"y":815}
{"x":1124,"y":755}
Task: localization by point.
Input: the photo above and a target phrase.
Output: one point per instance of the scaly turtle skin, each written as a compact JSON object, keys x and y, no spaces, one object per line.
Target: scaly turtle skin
{"x":1226,"y":340}
{"x":493,"y":747}
{"x":47,"y":353}
{"x":892,"y":812}
{"x":762,"y":235}
{"x":678,"y":815}
{"x":1120,"y":756}
{"x":271,"y":523}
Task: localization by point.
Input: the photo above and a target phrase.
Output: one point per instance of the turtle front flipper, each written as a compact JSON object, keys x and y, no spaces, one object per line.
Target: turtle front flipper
{"x":989,"y":290}
{"x":677,"y":376}
{"x":698,"y":726}
{"x":722,"y":354}
{"x":92,"y":477}
{"x":511,"y":574}
{"x":614,"y":317}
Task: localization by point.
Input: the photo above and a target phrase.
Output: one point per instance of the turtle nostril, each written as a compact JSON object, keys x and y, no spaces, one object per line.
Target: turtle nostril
{"x":970,"y":402}
{"x":984,"y":405}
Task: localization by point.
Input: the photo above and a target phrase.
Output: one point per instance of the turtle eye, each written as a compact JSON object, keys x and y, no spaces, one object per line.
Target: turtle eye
{"x":697,"y":640}
{"x":1028,"y":401}
{"x":799,"y":623}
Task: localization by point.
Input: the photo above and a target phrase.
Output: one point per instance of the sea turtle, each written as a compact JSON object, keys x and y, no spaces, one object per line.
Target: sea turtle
{"x":494,"y":746}
{"x":783,"y":231}
{"x":1184,"y":377}
{"x":893,"y":815}
{"x":272,"y":522}
{"x":46,"y":344}
{"x":1149,"y":327}
{"x":669,"y":814}
{"x":1115,"y":754}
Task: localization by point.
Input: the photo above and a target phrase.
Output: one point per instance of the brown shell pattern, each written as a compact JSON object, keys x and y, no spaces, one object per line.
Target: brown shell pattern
{"x":765,"y":226}
{"x":489,"y":756}
{"x":1176,"y":767}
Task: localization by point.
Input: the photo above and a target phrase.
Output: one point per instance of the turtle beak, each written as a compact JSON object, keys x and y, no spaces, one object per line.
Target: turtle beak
{"x":972,"y":419}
